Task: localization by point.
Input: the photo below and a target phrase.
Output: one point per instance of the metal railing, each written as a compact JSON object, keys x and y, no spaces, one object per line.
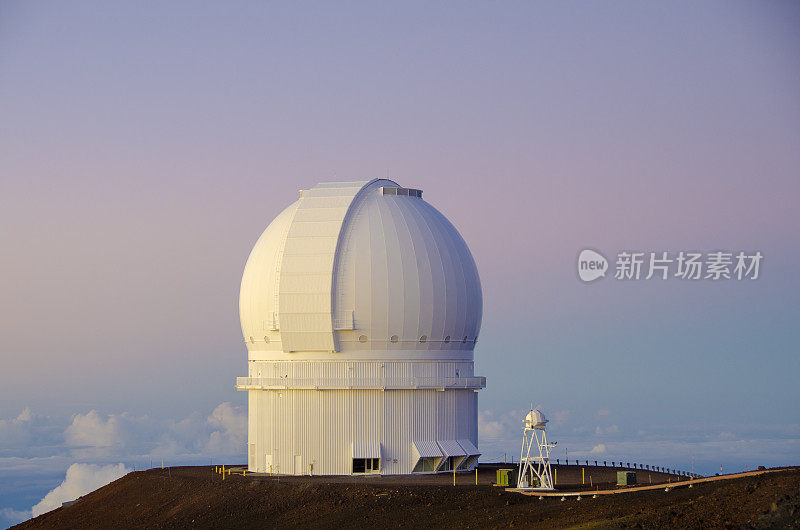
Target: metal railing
{"x":347,"y":383}
{"x":627,"y":465}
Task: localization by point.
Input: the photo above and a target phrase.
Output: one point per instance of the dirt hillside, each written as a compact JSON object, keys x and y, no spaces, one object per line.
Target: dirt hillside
{"x":198,"y":497}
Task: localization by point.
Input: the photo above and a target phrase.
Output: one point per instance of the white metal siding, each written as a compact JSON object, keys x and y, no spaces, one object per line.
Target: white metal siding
{"x":366,"y":449}
{"x":309,"y":423}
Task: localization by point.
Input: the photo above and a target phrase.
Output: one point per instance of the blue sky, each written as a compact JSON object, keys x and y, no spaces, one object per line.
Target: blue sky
{"x":144,"y":147}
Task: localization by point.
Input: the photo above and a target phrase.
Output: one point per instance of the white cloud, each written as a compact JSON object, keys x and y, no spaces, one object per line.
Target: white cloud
{"x":28,"y":435}
{"x":489,"y":427}
{"x":93,"y":436}
{"x":612,"y":429}
{"x":25,"y":415}
{"x":36,"y":449}
{"x":499,"y":435}
{"x":80,"y":480}
{"x":16,"y":431}
{"x":222,"y":433}
{"x":598,"y":449}
{"x":229,"y":435}
{"x":91,"y":430}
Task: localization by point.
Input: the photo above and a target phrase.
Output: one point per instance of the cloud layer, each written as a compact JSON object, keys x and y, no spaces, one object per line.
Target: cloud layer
{"x":95,"y":448}
{"x":706,"y":445}
{"x":80,"y":480}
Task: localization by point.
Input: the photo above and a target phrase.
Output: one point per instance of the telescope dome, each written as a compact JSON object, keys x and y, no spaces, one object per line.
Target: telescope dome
{"x":360,"y":267}
{"x":535,"y":418}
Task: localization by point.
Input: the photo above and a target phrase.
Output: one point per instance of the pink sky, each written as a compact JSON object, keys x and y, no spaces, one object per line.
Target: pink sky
{"x":144,"y":149}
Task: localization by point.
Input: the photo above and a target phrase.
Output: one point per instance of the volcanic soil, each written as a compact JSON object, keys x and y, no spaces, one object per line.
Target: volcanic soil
{"x":197,"y":497}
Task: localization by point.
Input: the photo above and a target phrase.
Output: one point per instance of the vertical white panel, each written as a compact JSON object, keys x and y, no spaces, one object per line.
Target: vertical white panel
{"x":258,"y":294}
{"x":306,"y":286}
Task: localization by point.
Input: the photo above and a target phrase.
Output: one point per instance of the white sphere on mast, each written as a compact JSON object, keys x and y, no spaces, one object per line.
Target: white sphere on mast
{"x":534,"y":462}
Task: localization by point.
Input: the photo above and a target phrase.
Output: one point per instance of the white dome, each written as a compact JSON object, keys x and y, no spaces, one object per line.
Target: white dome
{"x":535,"y":418}
{"x":359,"y":267}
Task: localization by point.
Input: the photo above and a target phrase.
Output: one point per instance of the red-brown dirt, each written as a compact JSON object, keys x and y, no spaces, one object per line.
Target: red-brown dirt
{"x":198,"y":497}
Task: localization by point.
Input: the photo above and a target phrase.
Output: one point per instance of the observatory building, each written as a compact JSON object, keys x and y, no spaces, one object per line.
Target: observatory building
{"x":360,"y":307}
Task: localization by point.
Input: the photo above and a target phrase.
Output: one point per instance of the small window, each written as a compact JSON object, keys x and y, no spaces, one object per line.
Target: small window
{"x":448,"y":464}
{"x":366,"y":465}
{"x":404,"y":192}
{"x":426,"y":465}
{"x":394,"y":338}
{"x":266,"y":339}
{"x":362,"y":338}
{"x":447,"y":339}
{"x":423,"y":339}
{"x":252,"y":341}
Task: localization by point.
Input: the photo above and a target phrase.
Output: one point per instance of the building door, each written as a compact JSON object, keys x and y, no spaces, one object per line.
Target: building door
{"x":298,"y":464}
{"x":268,"y":464}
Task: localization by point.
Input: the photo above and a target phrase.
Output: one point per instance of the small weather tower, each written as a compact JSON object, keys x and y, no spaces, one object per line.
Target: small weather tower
{"x":534,"y":471}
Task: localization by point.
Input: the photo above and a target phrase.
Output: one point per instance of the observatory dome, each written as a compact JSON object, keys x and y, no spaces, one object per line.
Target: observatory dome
{"x":360,"y":267}
{"x":360,"y":307}
{"x":535,"y":418}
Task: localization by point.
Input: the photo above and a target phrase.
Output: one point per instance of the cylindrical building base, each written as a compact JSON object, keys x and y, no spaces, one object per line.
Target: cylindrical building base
{"x":342,"y":432}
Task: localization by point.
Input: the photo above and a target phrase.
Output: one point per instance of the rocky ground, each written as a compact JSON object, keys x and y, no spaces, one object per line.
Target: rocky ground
{"x":198,"y":497}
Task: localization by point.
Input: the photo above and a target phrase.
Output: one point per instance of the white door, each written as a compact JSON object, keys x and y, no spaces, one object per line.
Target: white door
{"x":298,"y":464}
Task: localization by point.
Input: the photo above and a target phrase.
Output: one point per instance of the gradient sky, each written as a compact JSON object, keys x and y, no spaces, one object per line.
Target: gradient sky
{"x":145,"y":146}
